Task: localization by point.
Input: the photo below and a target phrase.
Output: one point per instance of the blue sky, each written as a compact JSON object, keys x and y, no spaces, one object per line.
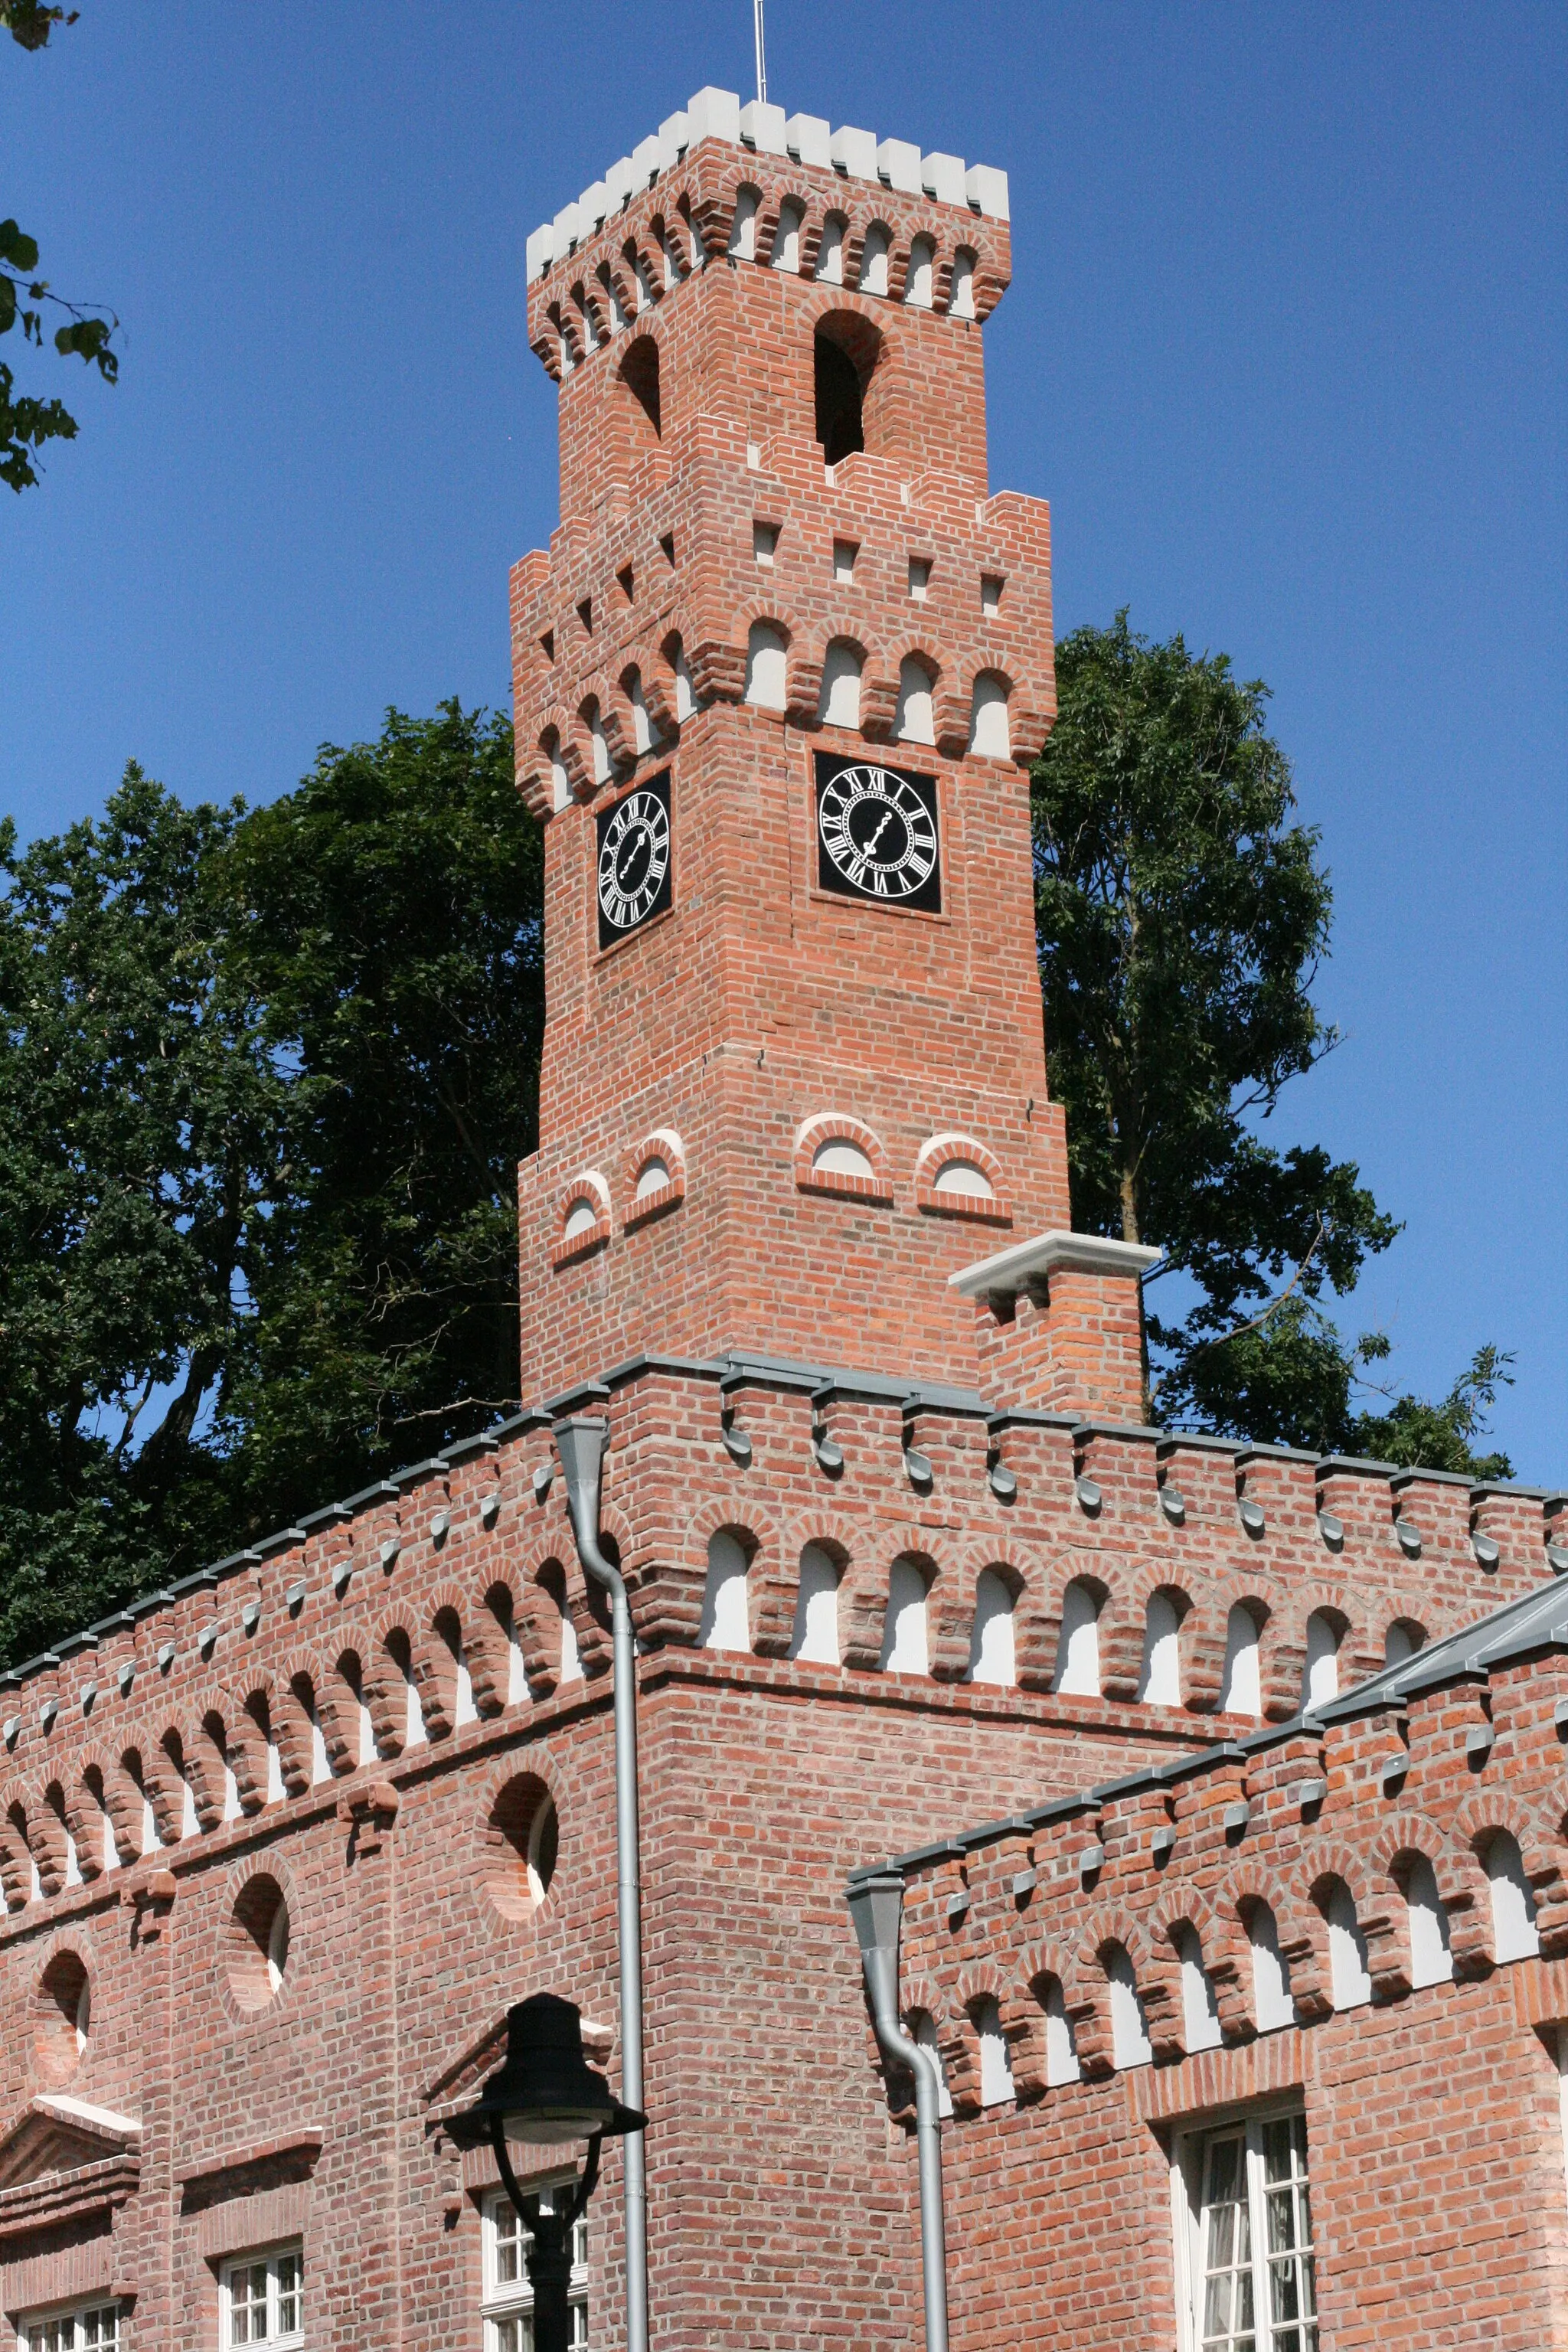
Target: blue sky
{"x":1284,"y":349}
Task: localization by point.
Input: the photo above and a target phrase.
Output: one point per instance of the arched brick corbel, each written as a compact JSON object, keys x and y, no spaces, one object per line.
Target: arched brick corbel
{"x":802,"y":688}
{"x":538,"y":1609}
{"x":545,"y":345}
{"x":659,"y":700}
{"x":950,"y":723}
{"x":879,"y":704}
{"x":718,"y":670}
{"x":337,"y":1709}
{"x":124,"y":1801}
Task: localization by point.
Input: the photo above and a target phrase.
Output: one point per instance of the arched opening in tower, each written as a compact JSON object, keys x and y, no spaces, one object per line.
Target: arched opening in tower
{"x":639,"y":374}
{"x":840,"y":420}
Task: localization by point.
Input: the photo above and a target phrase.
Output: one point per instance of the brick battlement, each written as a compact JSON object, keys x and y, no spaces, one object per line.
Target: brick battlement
{"x":1364,"y":1912}
{"x":632,"y":626}
{"x":425,"y":1617}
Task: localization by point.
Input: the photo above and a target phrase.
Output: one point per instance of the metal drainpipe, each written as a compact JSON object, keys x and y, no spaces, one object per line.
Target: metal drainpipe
{"x":876,"y":1907}
{"x":580,"y":1442}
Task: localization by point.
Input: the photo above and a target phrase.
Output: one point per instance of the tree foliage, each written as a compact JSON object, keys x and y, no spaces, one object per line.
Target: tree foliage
{"x":264,"y":1081}
{"x":1182,"y":912}
{"x":25,"y":421}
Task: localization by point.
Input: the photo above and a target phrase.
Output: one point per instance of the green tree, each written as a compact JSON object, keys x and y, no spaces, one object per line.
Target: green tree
{"x":387,"y":923}
{"x":1181,"y":913}
{"x":25,"y":421}
{"x":138,"y":1144}
{"x":264,"y":1083}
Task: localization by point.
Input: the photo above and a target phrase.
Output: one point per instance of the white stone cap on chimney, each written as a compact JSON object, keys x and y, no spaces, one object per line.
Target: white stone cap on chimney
{"x":1048,"y":1254}
{"x":719,"y":114}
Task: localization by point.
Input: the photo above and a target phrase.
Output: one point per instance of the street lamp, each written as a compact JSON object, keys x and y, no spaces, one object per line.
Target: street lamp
{"x":546,"y":2094}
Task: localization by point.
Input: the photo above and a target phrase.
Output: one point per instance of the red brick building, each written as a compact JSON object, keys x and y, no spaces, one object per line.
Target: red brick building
{"x":279,"y":1845}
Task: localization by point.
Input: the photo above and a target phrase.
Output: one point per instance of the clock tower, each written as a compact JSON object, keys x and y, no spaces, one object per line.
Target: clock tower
{"x":778,"y":682}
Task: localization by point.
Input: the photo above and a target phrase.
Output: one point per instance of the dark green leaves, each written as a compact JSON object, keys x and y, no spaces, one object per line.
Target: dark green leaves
{"x":17,"y":248}
{"x":1181,"y":911}
{"x":264,"y":1083}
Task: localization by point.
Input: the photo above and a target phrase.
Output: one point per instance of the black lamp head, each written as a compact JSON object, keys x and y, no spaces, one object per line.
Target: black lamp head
{"x":545,"y":2093}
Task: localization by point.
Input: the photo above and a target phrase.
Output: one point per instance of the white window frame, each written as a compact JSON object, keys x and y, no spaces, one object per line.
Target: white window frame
{"x":76,"y":2315}
{"x":507,"y":2299}
{"x":1188,"y":2161}
{"x":276,"y":2340}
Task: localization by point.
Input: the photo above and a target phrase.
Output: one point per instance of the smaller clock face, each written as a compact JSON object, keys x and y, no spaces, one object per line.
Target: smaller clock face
{"x":634,"y":868}
{"x":877,"y":834}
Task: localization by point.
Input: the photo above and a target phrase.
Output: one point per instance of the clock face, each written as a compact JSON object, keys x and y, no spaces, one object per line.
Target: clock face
{"x":634,"y":871}
{"x":877,"y":834}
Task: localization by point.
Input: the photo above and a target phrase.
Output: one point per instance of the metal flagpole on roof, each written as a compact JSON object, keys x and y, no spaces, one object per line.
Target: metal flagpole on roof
{"x":762,"y":53}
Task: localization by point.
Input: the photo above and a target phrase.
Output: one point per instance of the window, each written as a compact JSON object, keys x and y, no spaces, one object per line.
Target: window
{"x":264,"y":2300}
{"x":91,"y":2325}
{"x":725,"y":1621}
{"x":904,"y":1650}
{"x":1247,"y":2236}
{"x":509,"y":2298}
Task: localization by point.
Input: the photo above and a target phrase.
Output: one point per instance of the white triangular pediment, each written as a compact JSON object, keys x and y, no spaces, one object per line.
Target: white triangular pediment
{"x":56,"y":2134}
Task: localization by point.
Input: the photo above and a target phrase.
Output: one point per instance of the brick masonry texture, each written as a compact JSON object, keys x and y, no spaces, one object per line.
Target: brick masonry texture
{"x":361,"y":1717}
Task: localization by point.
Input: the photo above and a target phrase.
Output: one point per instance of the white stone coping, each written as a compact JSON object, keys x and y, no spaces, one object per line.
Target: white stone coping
{"x":1072,"y":1253}
{"x":719,"y":114}
{"x":63,"y":2110}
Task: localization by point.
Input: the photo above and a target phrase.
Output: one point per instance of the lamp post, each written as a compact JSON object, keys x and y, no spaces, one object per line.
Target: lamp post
{"x":546,"y":2094}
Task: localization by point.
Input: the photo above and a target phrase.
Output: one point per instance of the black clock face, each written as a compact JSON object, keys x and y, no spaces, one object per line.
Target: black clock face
{"x":877,"y":834}
{"x":634,"y":871}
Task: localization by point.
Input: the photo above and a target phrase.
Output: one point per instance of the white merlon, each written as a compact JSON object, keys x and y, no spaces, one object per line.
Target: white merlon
{"x":1049,"y":1253}
{"x":762,"y":127}
{"x":895,"y":163}
{"x":986,"y":190}
{"x":809,"y":140}
{"x":942,"y":176}
{"x":898,"y":164}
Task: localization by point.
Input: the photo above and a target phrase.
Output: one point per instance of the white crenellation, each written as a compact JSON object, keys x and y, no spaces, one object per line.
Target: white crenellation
{"x":806,"y":137}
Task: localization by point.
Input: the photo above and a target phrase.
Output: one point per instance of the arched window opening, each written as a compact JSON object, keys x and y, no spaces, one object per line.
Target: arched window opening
{"x":904,"y":1645}
{"x":1321,"y":1676}
{"x":995,"y":2063}
{"x":743,"y":227}
{"x":914,"y":722}
{"x":642,"y":725}
{"x":1077,"y":1648}
{"x":991,"y":1650}
{"x":401,"y":1657}
{"x":1515,"y":1935}
{"x":450,"y":1631}
{"x":1061,"y":2044}
{"x":830,"y":252}
{"x":786,"y":238}
{"x":593,"y":719}
{"x":961,"y":296}
{"x":990,"y":736}
{"x":1241,"y":1687}
{"x":1200,"y":2017}
{"x":611,"y":298}
{"x":1350,"y":1975}
{"x":964,"y":1180}
{"x":841,"y":1157}
{"x":840,"y":416}
{"x":1271,"y":2001}
{"x":726,"y":1623}
{"x":1404,"y":1639}
{"x":1130,"y":2041}
{"x":1431,"y":1961}
{"x":765,"y":666}
{"x":1160,"y":1684}
{"x":685,"y":703}
{"x":841,"y":668}
{"x":923,"y":2031}
{"x":918,"y":280}
{"x":639,"y":374}
{"x":873,"y":259}
{"x":351,"y":1676}
{"x":814,"y":1640}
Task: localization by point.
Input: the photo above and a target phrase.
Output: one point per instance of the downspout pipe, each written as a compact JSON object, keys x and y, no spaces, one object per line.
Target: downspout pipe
{"x":876,"y":1907}
{"x":580,"y":1443}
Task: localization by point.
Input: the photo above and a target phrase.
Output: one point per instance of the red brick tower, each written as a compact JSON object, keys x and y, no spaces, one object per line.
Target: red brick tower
{"x":778,"y":682}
